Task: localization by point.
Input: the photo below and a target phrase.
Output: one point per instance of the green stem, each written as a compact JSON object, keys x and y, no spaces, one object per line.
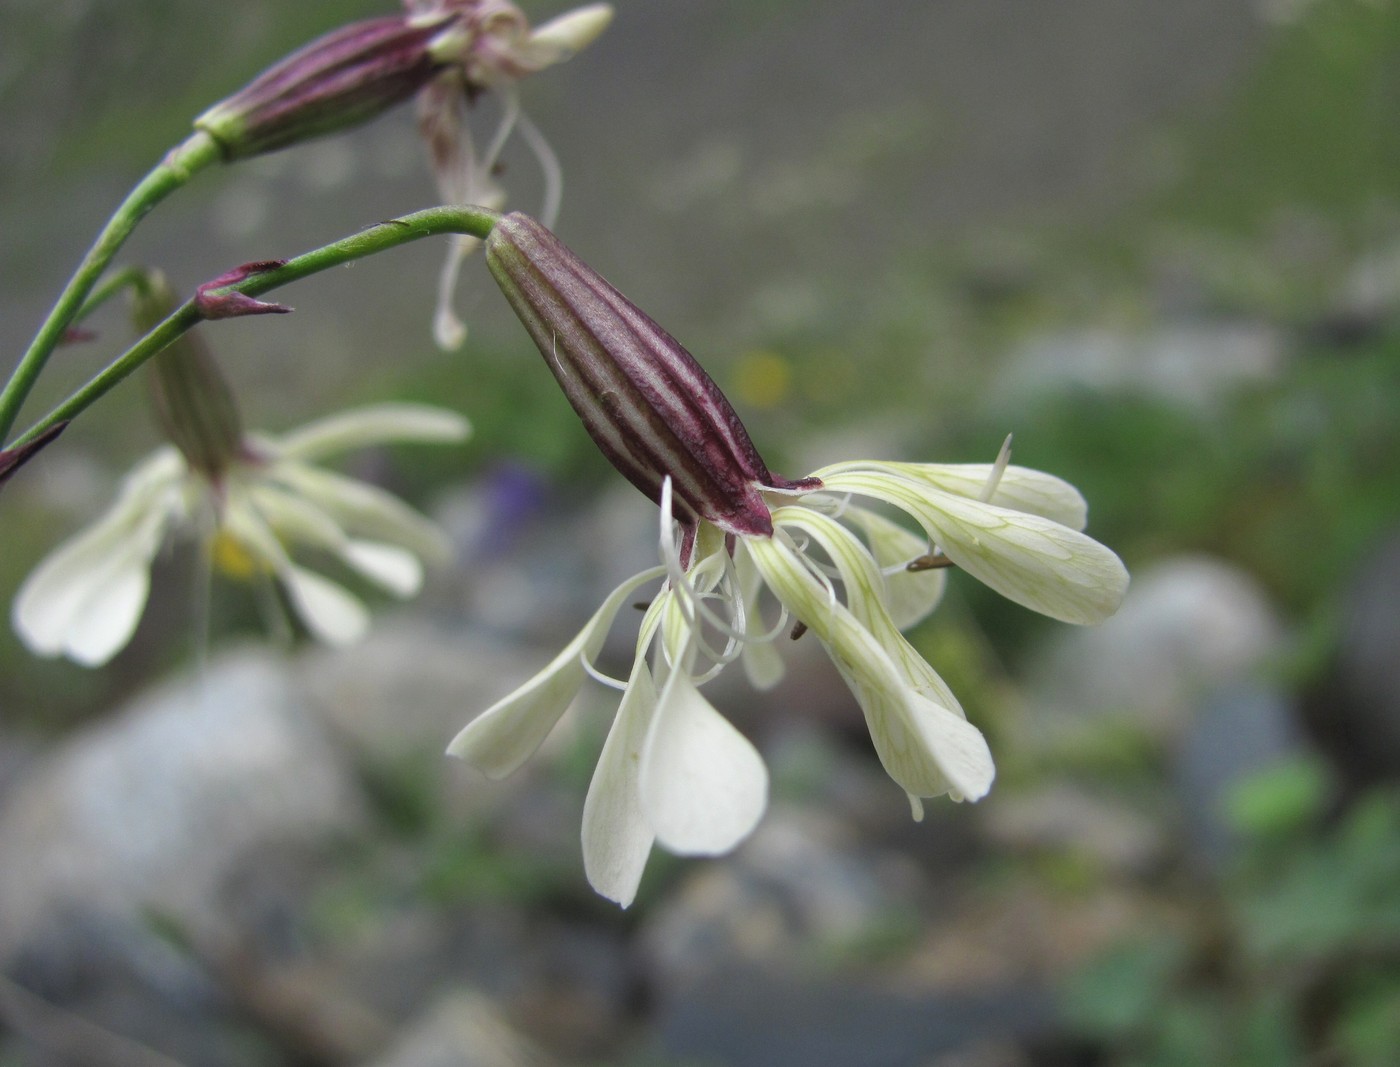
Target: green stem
{"x":473,"y":221}
{"x":197,"y":152}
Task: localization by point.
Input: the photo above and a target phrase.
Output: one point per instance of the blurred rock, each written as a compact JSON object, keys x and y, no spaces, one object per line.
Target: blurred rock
{"x":462,"y":1029}
{"x":1068,"y":818}
{"x":751,"y":1019}
{"x":150,"y":810}
{"x":408,"y":687}
{"x":1195,"y":364}
{"x":1356,"y":713}
{"x":800,"y":884}
{"x":1241,"y":729}
{"x":1189,"y":625}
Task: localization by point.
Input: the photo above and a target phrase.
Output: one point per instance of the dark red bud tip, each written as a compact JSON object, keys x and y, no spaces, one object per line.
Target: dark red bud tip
{"x":77,"y":335}
{"x":213,"y":304}
{"x":13,"y":459}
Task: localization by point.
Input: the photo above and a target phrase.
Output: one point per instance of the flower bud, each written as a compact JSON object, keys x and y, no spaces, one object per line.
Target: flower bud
{"x":193,"y":403}
{"x":645,"y":401}
{"x":342,"y":79}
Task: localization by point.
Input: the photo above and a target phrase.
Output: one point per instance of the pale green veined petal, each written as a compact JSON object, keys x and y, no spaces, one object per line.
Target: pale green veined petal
{"x":1038,"y":563}
{"x":392,"y":568}
{"x":297,"y":519}
{"x":925,"y":747}
{"x":703,"y":785}
{"x":763,"y":664}
{"x":616,"y":836}
{"x":563,"y":36}
{"x":372,"y":425}
{"x":85,"y":599}
{"x":864,"y":584}
{"x":365,"y":510}
{"x":293,"y":519}
{"x":1018,"y":488}
{"x":506,"y":734}
{"x":331,"y":613}
{"x":910,"y":596}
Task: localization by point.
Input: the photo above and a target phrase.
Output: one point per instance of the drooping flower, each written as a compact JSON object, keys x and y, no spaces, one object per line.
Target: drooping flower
{"x":246,"y":497}
{"x":673,"y":771}
{"x":444,"y":53}
{"x":84,"y":600}
{"x":492,"y":47}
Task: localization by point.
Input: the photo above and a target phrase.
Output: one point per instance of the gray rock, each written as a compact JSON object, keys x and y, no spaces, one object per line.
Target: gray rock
{"x":151,"y":809}
{"x":462,"y":1028}
{"x":799,"y":885}
{"x":1188,"y":625}
{"x":408,"y":687}
{"x":1193,"y":364}
{"x":1358,"y":714}
{"x":1241,"y":729}
{"x":1066,"y":817}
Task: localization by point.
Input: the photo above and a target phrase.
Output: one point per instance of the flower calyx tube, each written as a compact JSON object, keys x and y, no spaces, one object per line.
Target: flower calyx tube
{"x":645,"y":401}
{"x":339,"y":80}
{"x":193,"y":402}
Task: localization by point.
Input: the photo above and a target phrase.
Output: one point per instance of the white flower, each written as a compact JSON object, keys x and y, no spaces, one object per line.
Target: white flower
{"x":492,"y":46}
{"x":85,"y":598}
{"x":673,"y":771}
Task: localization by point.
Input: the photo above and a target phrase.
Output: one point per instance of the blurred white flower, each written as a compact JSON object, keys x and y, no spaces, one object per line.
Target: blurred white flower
{"x":85,"y":599}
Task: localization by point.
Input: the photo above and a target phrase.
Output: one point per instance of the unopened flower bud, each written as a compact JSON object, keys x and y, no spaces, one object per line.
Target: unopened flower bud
{"x":193,"y":403}
{"x":342,"y":79}
{"x":648,"y":405}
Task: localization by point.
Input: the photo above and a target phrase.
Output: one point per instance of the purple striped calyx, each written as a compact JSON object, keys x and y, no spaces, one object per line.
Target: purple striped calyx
{"x":645,"y":401}
{"x":342,"y":79}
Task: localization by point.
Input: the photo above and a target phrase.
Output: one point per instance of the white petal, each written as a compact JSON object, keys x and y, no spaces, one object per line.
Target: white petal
{"x":562,"y":37}
{"x":1034,"y":561}
{"x":110,"y":615}
{"x":506,"y":734}
{"x":918,"y":740}
{"x":617,"y":838}
{"x":395,"y":569}
{"x":372,"y":425}
{"x":365,"y":510}
{"x":1018,"y":488}
{"x":703,"y":785}
{"x":330,"y":612}
{"x":85,"y":599}
{"x":910,"y":596}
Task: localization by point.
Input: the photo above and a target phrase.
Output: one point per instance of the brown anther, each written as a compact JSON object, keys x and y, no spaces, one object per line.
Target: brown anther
{"x":798,"y":629}
{"x":932,"y":562}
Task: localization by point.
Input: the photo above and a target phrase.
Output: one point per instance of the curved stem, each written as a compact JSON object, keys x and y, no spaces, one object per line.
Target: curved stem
{"x":181,"y":164}
{"x":474,"y":221}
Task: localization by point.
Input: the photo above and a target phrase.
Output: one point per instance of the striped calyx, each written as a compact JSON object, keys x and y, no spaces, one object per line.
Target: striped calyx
{"x":646,"y":402}
{"x":342,"y":79}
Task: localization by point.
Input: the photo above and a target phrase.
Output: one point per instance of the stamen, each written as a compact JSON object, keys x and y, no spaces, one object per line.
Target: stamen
{"x":798,"y":629}
{"x":510,"y":115}
{"x":599,"y":677}
{"x":549,"y":167}
{"x":998,"y":469}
